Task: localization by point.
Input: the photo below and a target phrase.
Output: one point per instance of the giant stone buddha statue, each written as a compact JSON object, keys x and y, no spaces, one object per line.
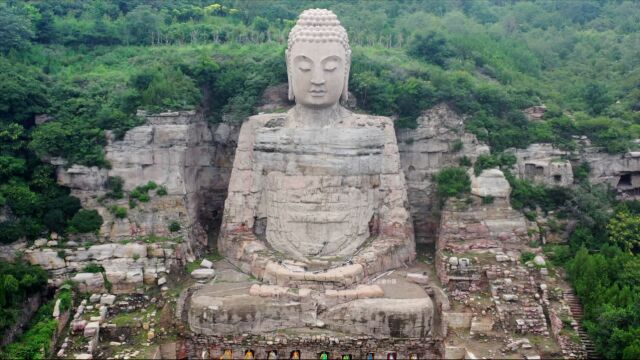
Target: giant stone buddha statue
{"x":316,"y":211}
{"x":320,"y":186}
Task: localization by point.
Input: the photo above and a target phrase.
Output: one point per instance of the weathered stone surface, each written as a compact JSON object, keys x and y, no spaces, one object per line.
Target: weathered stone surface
{"x":490,"y":183}
{"x":89,"y":282}
{"x":535,"y":112}
{"x":91,"y":329}
{"x":544,"y":164}
{"x":458,"y":320}
{"x":439,"y":141}
{"x":418,"y":278}
{"x":206,"y":264}
{"x":481,"y":226}
{"x":175,"y":150}
{"x":107,"y":299}
{"x":621,"y":171}
{"x":390,"y":317}
{"x":48,"y":259}
{"x":202,"y":274}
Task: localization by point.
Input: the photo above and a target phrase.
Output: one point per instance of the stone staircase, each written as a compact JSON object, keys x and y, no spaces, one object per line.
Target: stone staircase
{"x":576,"y":312}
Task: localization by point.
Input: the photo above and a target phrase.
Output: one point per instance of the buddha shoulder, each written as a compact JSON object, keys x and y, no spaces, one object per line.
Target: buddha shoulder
{"x":365,"y":120}
{"x":266,"y":120}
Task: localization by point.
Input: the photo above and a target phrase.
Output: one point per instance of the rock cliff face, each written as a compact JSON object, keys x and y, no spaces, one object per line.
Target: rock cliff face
{"x":177,"y":151}
{"x":621,"y":171}
{"x":183,"y":155}
{"x":545,"y":164}
{"x":439,"y":141}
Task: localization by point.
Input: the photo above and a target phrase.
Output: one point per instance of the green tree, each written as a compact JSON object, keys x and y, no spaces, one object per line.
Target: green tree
{"x":452,"y":181}
{"x":86,"y":221}
{"x":431,"y":47}
{"x":624,"y":230}
{"x":15,"y":29}
{"x":142,"y":24}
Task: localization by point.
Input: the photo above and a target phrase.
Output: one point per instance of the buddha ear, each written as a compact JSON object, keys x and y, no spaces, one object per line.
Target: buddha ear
{"x":286,"y":59}
{"x":345,"y":89}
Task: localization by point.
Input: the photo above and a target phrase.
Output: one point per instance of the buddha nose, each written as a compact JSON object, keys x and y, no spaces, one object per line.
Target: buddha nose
{"x":317,"y":78}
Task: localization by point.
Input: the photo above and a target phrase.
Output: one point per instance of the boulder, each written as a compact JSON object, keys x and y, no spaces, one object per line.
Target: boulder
{"x":40,"y":242}
{"x":490,"y":182}
{"x":539,"y":260}
{"x":206,"y":264}
{"x":92,"y":329}
{"x":56,"y":309}
{"x":418,"y":278}
{"x":202,"y":274}
{"x":107,"y":299}
{"x":89,"y":282}
{"x":78,"y":325}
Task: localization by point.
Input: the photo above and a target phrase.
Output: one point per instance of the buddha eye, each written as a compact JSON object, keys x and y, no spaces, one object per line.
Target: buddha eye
{"x":330,"y":66}
{"x":304,"y":66}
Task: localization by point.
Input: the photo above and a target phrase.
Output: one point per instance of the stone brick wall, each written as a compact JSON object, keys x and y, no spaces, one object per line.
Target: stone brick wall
{"x":197,"y":346}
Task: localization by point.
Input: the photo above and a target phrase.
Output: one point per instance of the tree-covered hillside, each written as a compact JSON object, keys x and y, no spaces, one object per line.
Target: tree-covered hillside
{"x":72,"y":69}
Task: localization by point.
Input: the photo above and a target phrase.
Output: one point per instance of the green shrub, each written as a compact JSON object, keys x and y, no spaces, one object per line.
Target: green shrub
{"x":174,"y":226}
{"x":115,"y":185}
{"x":581,"y":172}
{"x":86,"y":221}
{"x":526,"y":257}
{"x":488,"y":200}
{"x":65,"y":300}
{"x":118,"y":211}
{"x":464,"y":161}
{"x":457,"y":145}
{"x":93,"y":268}
{"x":162,"y":191}
{"x":503,"y":161}
{"x":453,"y":181}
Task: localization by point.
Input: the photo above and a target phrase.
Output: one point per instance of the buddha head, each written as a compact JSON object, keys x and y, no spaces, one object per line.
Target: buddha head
{"x":318,"y":59}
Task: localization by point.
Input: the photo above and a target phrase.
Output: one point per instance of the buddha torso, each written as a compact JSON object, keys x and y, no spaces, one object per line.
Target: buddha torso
{"x":320,"y":188}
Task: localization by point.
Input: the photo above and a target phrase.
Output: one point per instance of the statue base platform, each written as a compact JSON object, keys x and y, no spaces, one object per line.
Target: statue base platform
{"x":388,"y":305}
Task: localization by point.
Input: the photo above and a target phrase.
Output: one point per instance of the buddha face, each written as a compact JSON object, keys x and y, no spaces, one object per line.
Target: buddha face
{"x":317,"y":75}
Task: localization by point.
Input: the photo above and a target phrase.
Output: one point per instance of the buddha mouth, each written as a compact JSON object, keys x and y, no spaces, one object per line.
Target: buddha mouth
{"x":317,"y":93}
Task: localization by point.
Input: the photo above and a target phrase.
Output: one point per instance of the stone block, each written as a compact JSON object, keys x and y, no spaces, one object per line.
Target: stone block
{"x":78,"y":325}
{"x":206,"y":264}
{"x":89,"y":282}
{"x":91,"y":329}
{"x":418,"y":278}
{"x":202,"y":274}
{"x":107,"y":299}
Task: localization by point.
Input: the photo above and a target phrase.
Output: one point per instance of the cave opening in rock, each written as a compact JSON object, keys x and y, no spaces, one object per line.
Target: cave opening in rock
{"x":624,"y":181}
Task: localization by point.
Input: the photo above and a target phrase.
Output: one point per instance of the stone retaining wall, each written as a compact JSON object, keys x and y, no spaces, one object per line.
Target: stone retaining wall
{"x":197,"y":346}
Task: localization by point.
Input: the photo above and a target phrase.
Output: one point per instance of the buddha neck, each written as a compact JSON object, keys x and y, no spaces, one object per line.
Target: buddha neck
{"x":305,"y":116}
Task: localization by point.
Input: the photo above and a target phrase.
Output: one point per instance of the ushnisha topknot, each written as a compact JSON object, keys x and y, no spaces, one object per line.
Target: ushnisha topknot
{"x":319,"y":25}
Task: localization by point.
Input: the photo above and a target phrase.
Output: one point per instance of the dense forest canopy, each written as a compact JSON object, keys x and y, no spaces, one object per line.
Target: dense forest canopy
{"x":70,"y":70}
